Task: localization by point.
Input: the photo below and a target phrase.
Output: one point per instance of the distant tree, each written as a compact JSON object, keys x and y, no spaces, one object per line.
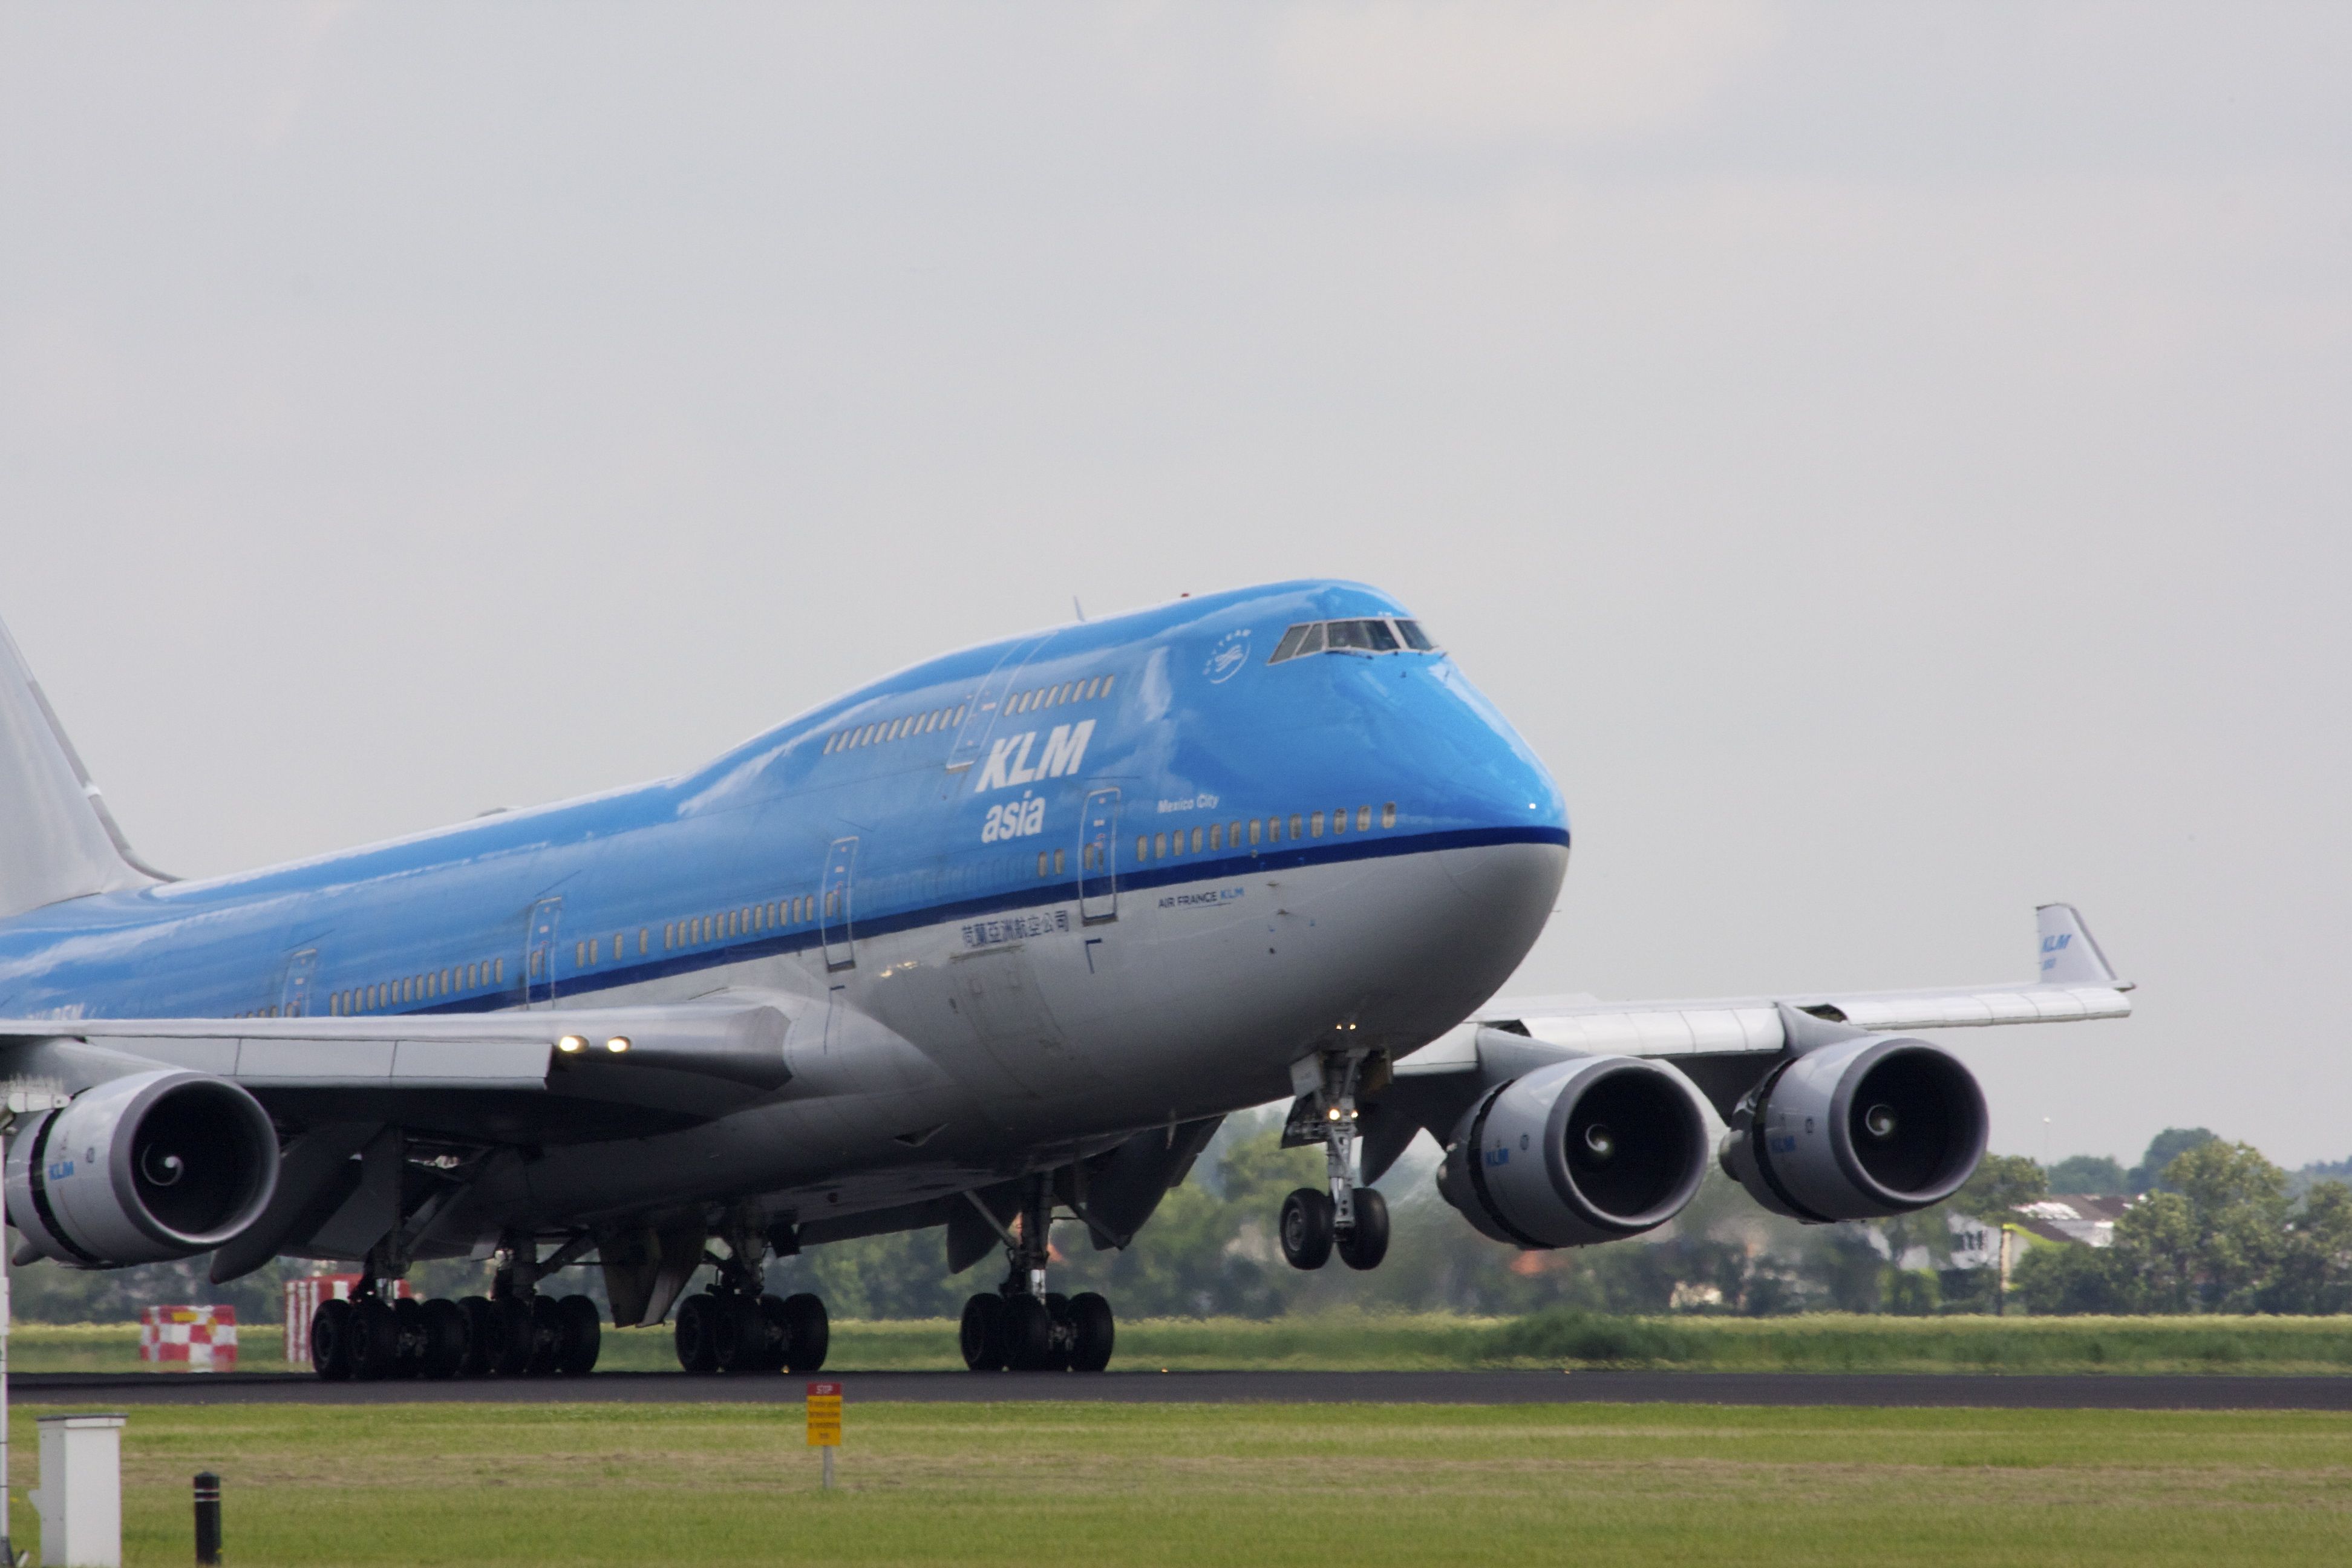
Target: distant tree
{"x":2162,"y":1149}
{"x":2099,"y":1175}
{"x":2238,"y":1202}
{"x":2060,"y":1280}
{"x":2001,"y":1183}
{"x":2155,"y":1247}
{"x":2315,"y":1266}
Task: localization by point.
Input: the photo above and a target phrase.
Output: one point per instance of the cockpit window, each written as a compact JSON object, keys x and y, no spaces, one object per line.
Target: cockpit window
{"x":1364,"y":636}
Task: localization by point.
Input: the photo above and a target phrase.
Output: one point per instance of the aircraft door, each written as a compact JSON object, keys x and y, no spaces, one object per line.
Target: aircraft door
{"x":1099,"y":857}
{"x":833,"y":905}
{"x":539,"y":953}
{"x":294,"y":997}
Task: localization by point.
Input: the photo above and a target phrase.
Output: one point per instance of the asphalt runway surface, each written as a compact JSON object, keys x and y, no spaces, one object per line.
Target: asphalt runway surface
{"x":1890,"y":1389}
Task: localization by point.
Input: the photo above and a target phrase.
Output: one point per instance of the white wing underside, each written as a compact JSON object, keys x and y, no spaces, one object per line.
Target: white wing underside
{"x":2077,"y":986}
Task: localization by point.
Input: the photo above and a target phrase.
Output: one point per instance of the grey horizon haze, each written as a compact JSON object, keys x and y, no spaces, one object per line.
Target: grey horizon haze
{"x":1893,"y":465}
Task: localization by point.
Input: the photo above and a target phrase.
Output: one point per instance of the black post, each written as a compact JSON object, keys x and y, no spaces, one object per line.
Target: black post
{"x":208,"y":1534}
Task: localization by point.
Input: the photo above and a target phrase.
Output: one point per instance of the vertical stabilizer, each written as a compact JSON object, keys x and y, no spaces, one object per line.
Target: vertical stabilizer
{"x":56,"y":840}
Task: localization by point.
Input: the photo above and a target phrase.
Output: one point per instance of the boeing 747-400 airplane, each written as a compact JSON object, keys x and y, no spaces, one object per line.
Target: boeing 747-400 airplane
{"x":992,"y":942}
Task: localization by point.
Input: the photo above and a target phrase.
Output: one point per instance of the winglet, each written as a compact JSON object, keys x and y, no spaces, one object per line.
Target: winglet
{"x":56,"y":840}
{"x":2068,"y":953}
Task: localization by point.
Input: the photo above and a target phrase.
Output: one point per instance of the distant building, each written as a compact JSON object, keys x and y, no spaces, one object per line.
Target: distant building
{"x":2081,"y":1218}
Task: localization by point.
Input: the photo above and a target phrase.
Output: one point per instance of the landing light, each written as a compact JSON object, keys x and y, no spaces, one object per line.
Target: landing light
{"x":617,"y":1044}
{"x":571,"y":1045}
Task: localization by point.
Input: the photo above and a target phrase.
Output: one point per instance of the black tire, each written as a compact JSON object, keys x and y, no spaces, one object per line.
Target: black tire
{"x":808,"y":1332}
{"x":375,"y":1340}
{"x":546,"y":1336}
{"x":1092,"y":1331}
{"x":1367,"y":1242}
{"x":1057,"y":1353}
{"x":408,"y":1347}
{"x":330,"y":1341}
{"x":695,"y":1321}
{"x":738,"y":1335}
{"x":1307,"y":1228}
{"x":481,"y":1336}
{"x":982,"y":1334}
{"x":446,"y":1337}
{"x":580,"y":1337}
{"x":1028,"y":1335}
{"x":512,"y":1337}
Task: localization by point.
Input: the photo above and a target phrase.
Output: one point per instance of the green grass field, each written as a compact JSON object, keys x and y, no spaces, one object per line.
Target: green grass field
{"x":1816,"y":1342}
{"x":1087,"y":1485}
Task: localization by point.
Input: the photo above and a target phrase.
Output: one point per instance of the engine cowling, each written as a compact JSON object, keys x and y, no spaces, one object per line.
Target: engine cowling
{"x":144,"y":1169}
{"x":1581,"y":1152}
{"x":1879,"y":1125}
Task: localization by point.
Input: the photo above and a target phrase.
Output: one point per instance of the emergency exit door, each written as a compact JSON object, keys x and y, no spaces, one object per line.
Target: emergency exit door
{"x":1099,"y":857}
{"x":833,"y":905}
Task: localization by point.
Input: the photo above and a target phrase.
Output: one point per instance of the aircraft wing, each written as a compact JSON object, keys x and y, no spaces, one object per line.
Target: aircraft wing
{"x":551,"y":1076}
{"x":1724,"y":1044}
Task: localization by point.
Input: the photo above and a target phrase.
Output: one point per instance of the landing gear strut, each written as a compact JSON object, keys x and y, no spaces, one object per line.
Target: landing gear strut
{"x":1347,"y":1218}
{"x":735,"y":1325}
{"x":1024,"y":1327}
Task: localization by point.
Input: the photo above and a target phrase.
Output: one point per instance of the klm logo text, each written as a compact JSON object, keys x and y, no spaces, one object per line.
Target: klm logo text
{"x":1008,"y":760}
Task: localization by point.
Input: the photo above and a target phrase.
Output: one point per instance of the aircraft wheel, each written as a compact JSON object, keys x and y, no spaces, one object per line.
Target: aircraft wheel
{"x":408,"y":1347}
{"x":1058,"y":1349}
{"x":1028,"y":1335}
{"x":445,"y":1337}
{"x":982,"y":1334}
{"x":808,"y":1332}
{"x":512,"y":1337}
{"x":579,"y":1337}
{"x":1307,"y":1228}
{"x":546,"y":1336}
{"x":739,"y":1334}
{"x":481,"y":1336}
{"x":331,"y":1340}
{"x":1092,"y":1331}
{"x":375,"y":1340}
{"x":697,"y":1333}
{"x":1364,"y":1245}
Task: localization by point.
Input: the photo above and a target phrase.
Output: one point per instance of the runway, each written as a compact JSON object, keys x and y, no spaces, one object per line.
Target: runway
{"x":1895,"y":1389}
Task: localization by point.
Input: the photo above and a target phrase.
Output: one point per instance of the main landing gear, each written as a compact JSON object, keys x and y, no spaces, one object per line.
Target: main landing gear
{"x":1349,"y":1219}
{"x":1025,"y":1328}
{"x":513,"y":1333}
{"x":734,"y":1326}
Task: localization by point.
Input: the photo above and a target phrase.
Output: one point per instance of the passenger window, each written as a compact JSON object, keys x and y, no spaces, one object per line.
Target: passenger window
{"x":1142,"y":847}
{"x":1254,"y":825}
{"x":1387,"y":815}
{"x":1107,"y":685}
{"x":1363,"y":819}
{"x":500,"y":977}
{"x":1315,"y":826}
{"x":1216,"y":836}
{"x":1041,"y":862}
{"x":1160,"y":845}
{"x":1340,"y":820}
{"x":1383,"y":640}
{"x":1414,"y":637}
{"x":833,"y":904}
{"x":1196,"y":841}
{"x":1297,"y":827}
{"x":1059,"y":863}
{"x":1092,"y":857}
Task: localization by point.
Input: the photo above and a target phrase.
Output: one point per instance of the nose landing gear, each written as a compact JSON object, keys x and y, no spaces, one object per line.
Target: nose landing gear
{"x":1349,"y":1219}
{"x":1022,"y":1327}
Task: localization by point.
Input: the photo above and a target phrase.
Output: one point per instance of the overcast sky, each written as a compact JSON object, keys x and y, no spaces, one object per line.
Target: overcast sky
{"x":1892,"y":461}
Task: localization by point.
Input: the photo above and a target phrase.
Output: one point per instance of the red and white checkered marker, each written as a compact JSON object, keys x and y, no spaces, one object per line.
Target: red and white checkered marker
{"x":190,"y":1339}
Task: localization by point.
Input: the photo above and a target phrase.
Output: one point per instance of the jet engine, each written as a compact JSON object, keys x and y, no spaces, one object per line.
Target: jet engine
{"x":1593,"y":1150}
{"x":144,"y":1169}
{"x":1876,"y":1125}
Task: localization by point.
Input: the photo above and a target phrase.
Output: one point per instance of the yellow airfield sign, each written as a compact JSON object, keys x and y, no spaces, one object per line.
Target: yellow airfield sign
{"x":825,"y":1416}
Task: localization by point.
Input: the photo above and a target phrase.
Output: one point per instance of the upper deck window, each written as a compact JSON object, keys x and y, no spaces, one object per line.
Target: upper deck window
{"x":1360,"y":636}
